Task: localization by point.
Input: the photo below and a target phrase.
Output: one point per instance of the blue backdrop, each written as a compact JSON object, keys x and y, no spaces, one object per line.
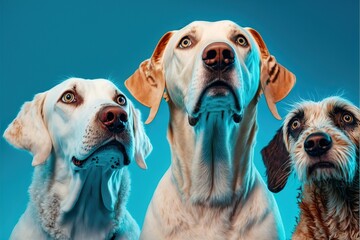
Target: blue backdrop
{"x":45,"y":41}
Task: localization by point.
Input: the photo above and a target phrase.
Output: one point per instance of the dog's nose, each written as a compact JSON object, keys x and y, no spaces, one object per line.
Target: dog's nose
{"x":317,"y":143}
{"x":218,"y":56}
{"x":114,"y":118}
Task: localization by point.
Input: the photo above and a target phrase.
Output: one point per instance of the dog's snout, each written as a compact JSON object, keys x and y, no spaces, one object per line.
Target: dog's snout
{"x":113,"y":118}
{"x":317,"y":143}
{"x":218,"y":56}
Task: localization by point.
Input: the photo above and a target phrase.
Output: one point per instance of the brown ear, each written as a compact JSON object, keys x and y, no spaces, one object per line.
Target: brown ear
{"x":276,"y":80}
{"x":147,"y":84}
{"x":28,"y":131}
{"x":277,"y":162}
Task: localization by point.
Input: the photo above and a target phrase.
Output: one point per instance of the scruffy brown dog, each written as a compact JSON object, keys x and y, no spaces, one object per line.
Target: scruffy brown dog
{"x":320,"y":140}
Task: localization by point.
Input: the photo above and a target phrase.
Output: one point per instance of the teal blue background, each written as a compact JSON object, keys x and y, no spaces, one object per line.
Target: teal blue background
{"x":42,"y":42}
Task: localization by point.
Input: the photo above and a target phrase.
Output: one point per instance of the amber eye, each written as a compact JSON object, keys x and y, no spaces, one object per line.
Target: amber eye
{"x":347,"y":118}
{"x":121,"y":100}
{"x":68,"y":97}
{"x":185,"y":42}
{"x":295,"y":124}
{"x":241,"y":40}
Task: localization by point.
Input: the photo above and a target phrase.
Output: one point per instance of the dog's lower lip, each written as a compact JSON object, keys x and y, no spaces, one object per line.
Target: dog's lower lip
{"x":193,"y":120}
{"x":321,"y":164}
{"x":115,"y":143}
{"x":77,"y":162}
{"x":237,"y":118}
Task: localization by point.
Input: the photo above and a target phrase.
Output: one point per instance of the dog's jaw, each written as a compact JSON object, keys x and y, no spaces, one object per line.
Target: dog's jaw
{"x":215,"y":167}
{"x":217,"y":97}
{"x":112,"y":154}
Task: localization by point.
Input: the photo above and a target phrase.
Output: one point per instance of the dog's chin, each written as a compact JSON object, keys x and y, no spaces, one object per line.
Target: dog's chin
{"x":323,"y":171}
{"x":111,"y":155}
{"x":218,"y":98}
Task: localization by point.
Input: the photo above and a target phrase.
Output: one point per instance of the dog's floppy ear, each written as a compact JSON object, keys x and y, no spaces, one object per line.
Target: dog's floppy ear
{"x":147,"y":84}
{"x":277,"y":162}
{"x":143,"y":146}
{"x":28,"y":131}
{"x":276,"y":81}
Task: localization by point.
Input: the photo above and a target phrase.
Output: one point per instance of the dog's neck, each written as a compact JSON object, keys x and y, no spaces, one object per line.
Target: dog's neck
{"x":88,"y":217}
{"x":331,"y":206}
{"x":217,"y":166}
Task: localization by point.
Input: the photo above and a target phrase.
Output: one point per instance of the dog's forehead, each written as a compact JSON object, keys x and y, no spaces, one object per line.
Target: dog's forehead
{"x":222,"y":28}
{"x":318,"y":111}
{"x":209,"y":26}
{"x":85,"y":86}
{"x":332,"y":102}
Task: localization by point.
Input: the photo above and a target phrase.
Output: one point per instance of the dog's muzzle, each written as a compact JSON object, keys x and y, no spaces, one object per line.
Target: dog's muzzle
{"x":114,"y":120}
{"x":316,"y":145}
{"x":218,"y":60}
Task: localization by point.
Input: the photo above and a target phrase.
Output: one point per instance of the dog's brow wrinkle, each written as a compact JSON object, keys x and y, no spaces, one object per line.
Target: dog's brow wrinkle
{"x":192,"y":30}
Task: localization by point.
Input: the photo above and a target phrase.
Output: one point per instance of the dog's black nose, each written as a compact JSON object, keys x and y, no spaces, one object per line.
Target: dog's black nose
{"x":218,"y":56}
{"x":317,"y":143}
{"x":113,"y":118}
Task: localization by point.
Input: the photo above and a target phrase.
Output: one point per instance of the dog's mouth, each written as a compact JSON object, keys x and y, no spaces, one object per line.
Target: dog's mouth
{"x":218,"y":91}
{"x":321,"y":165}
{"x":110,"y":150}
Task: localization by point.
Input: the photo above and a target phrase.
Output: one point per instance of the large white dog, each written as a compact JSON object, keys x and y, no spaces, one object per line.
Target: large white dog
{"x":82,"y":133}
{"x":213,"y":74}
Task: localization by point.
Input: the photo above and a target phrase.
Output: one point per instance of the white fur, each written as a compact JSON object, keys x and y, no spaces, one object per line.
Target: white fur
{"x":68,"y":202}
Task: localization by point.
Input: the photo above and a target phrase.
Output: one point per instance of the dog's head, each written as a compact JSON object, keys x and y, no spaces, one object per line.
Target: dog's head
{"x":84,"y":122}
{"x":210,"y":67}
{"x":320,"y":140}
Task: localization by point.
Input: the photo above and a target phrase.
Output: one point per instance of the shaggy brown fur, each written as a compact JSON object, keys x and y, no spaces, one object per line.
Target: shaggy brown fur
{"x":329,"y":210}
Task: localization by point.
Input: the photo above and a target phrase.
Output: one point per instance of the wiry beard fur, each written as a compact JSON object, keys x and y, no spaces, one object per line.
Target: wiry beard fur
{"x":329,"y":209}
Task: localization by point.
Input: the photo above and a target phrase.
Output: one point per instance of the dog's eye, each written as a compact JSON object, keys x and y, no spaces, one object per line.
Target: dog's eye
{"x":121,"y":100}
{"x":295,"y":124}
{"x":347,"y":118}
{"x":68,"y":97}
{"x":241,"y":40}
{"x":185,"y":42}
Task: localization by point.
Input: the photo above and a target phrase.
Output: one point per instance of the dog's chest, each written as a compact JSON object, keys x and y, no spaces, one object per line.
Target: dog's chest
{"x":215,"y":228}
{"x":184,"y":220}
{"x":89,"y":218}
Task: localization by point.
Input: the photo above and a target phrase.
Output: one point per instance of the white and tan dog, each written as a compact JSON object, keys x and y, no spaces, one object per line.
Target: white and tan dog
{"x":213,"y":74}
{"x":82,"y":133}
{"x":320,"y":140}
